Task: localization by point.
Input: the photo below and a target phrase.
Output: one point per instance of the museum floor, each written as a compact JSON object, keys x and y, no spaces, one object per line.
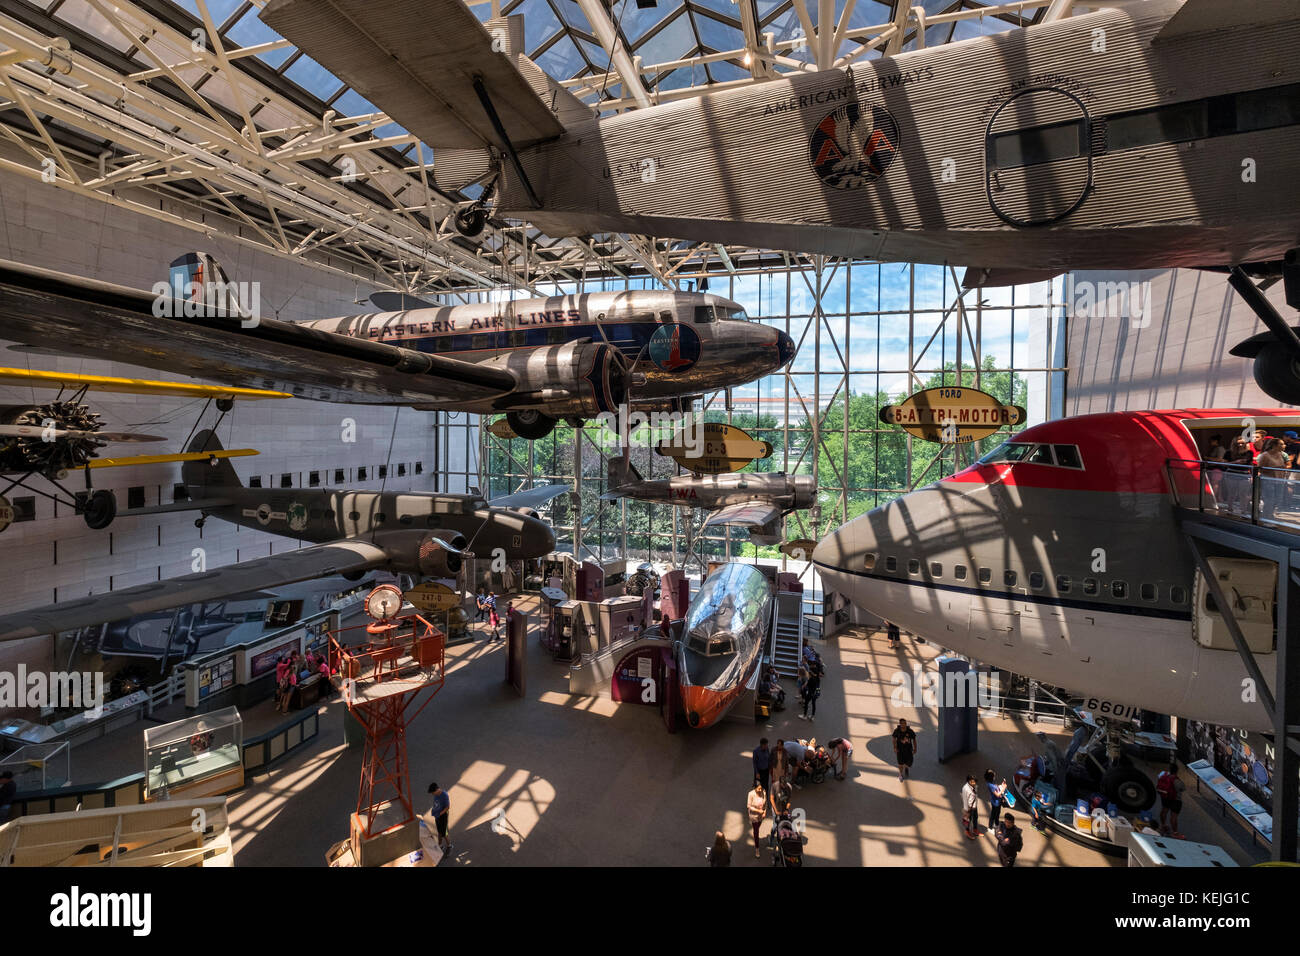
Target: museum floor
{"x":552,"y":779}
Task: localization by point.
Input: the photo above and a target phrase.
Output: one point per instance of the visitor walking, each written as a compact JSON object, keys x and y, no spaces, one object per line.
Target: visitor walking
{"x":720,"y":853}
{"x":1010,"y":840}
{"x":757,"y":808}
{"x":812,"y":689}
{"x":763,"y":764}
{"x":996,"y":794}
{"x":441,"y":811}
{"x":904,"y":748}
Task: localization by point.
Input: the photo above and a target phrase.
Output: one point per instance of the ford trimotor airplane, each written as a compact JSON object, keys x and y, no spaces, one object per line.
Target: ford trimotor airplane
{"x":1145,"y":135}
{"x":756,"y":501}
{"x":538,"y":360}
{"x":354,"y":532}
{"x":1058,"y":556}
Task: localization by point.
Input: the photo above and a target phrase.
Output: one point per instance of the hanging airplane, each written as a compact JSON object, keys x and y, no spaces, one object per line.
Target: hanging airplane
{"x":49,"y":440}
{"x":753,"y":500}
{"x":1143,"y":135}
{"x":568,"y":357}
{"x":1059,"y":556}
{"x":352,"y":532}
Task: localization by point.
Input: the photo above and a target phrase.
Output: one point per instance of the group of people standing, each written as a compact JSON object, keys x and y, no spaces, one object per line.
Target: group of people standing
{"x":293,"y":667}
{"x":1232,"y":486}
{"x":1009,"y":839}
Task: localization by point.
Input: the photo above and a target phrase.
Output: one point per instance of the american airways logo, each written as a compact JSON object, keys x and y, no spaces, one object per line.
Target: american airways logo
{"x":75,"y":909}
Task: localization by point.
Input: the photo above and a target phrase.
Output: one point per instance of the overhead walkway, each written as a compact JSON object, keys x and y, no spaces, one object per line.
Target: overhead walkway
{"x":1254,"y":512}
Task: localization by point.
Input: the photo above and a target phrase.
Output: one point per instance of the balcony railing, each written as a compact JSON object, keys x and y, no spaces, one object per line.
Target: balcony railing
{"x":1262,"y":496}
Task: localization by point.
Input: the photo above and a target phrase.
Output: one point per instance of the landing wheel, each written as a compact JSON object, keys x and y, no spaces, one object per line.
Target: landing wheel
{"x":1129,"y":787}
{"x":100,"y":510}
{"x":200,"y":522}
{"x":1277,"y":372}
{"x":530,"y":424}
{"x":225,"y":404}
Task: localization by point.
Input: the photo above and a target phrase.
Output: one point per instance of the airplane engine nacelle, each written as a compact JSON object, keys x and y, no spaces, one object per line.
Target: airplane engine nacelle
{"x":577,"y":379}
{"x":441,"y":557}
{"x":527,"y":512}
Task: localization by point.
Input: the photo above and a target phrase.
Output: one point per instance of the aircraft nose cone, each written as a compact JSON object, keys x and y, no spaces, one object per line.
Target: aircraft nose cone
{"x":785,"y":349}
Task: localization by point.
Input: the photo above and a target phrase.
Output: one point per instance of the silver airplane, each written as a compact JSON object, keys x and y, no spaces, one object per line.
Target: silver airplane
{"x":567,"y":357}
{"x":1142,"y":135}
{"x":753,"y":500}
{"x":725,"y":633}
{"x":353,"y":532}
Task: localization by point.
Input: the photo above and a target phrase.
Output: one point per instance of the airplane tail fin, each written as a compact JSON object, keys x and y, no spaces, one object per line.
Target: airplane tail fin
{"x":619,"y":472}
{"x":197,"y":278}
{"x":202,"y":477}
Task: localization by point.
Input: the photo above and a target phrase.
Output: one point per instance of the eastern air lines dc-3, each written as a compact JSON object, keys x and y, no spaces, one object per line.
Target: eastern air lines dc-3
{"x":569,"y":357}
{"x":1140,"y":135}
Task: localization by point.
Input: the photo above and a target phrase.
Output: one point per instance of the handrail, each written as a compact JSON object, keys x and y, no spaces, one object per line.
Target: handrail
{"x":1237,"y":491}
{"x":585,"y":659}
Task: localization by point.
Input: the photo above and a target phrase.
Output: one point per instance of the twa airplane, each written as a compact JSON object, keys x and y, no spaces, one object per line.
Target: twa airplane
{"x":538,"y":360}
{"x":1058,"y":556}
{"x":1143,"y":135}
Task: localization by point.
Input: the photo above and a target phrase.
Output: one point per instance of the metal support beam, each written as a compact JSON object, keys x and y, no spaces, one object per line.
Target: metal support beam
{"x":608,"y":36}
{"x":901,"y":12}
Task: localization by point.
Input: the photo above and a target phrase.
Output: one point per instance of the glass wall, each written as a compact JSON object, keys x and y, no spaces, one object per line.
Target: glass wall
{"x":868,"y":335}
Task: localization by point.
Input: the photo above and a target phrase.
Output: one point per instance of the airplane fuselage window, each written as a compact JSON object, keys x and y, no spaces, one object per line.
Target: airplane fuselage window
{"x":869,"y":562}
{"x":361,"y":473}
{"x":1178,"y":594}
{"x":1249,"y":111}
{"x":313,"y":479}
{"x":891,"y":563}
{"x":1119,"y":590}
{"x":255,"y":481}
{"x":354,"y":515}
{"x":1090,"y":586}
{"x":703,"y":314}
{"x":985,"y":575}
{"x":913,"y":566}
{"x":1036,"y":580}
{"x":1009,"y":578}
{"x":339,"y":476}
{"x":1063,"y":583}
{"x":1042,"y":144}
{"x":959,"y":572}
{"x":936,"y":569}
{"x":1150,"y":592}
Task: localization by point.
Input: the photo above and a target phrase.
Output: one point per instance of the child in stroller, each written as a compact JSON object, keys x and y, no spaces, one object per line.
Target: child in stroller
{"x":787,"y":844}
{"x":816,"y":765}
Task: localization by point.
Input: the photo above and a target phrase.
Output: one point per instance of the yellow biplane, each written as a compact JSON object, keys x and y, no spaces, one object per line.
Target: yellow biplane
{"x":49,"y":440}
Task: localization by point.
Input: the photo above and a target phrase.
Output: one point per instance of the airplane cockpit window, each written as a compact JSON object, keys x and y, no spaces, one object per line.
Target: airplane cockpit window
{"x":1042,"y":455}
{"x":727,"y":313}
{"x":1007,"y":451}
{"x":1067,"y":456}
{"x":703,"y":314}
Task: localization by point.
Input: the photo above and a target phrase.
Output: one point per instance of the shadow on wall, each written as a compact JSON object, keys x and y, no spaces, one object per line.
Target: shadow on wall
{"x":1158,"y":339}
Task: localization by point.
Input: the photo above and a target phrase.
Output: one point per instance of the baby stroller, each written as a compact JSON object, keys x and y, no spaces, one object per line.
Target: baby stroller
{"x":787,"y":845}
{"x":816,"y":767}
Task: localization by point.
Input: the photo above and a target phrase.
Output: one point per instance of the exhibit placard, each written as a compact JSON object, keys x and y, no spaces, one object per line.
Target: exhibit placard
{"x":713,"y":448}
{"x":431,"y":597}
{"x":952,"y":415}
{"x":501,"y":429}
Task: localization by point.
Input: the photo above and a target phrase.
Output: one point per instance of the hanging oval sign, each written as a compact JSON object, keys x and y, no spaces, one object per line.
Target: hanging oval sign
{"x":501,"y":429}
{"x":432,"y":597}
{"x":713,"y":448}
{"x":800,"y":549}
{"x":951,"y":415}
{"x":6,"y":513}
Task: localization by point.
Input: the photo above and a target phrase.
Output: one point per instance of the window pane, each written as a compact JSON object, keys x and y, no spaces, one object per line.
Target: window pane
{"x":1067,"y":456}
{"x":1033,"y":146}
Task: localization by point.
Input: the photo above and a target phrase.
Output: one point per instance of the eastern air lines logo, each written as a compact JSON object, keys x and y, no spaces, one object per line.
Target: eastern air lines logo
{"x":674,"y":348}
{"x":853,"y":146}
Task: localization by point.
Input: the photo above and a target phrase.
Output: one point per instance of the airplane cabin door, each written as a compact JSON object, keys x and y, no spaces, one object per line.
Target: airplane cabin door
{"x":1038,"y":157}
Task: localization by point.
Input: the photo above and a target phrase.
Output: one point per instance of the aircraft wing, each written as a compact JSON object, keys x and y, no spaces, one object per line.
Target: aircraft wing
{"x":417,"y":61}
{"x":1206,"y":16}
{"x":749,"y":514}
{"x":319,"y":560}
{"x":530,"y":498}
{"x":100,"y":320}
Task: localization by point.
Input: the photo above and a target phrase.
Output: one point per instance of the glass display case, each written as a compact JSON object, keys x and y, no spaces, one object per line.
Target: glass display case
{"x":195,"y":757}
{"x":39,"y":766}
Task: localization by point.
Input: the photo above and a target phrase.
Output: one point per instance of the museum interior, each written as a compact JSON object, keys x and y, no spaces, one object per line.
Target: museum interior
{"x":855,"y":433}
